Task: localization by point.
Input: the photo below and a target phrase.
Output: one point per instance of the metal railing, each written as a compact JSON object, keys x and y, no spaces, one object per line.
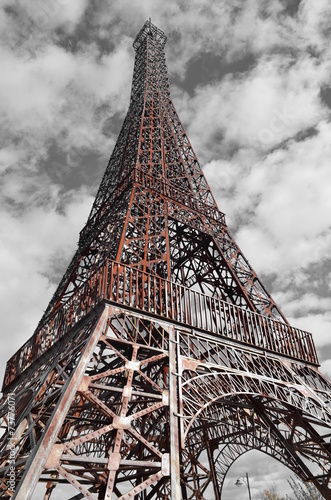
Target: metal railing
{"x":135,"y":289}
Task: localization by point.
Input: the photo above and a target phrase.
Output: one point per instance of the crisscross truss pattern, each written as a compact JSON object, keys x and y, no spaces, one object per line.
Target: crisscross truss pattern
{"x":244,"y":400}
{"x":154,"y":208}
{"x":113,"y":439}
{"x":161,"y":357}
{"x":114,"y":418}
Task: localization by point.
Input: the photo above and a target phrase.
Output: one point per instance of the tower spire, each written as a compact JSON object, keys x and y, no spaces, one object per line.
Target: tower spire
{"x":154,"y":158}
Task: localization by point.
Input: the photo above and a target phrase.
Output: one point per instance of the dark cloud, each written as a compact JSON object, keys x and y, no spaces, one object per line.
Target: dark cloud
{"x":291,"y":7}
{"x":209,"y":67}
{"x":302,"y":135}
{"x":325,"y":94}
{"x":306,"y":133}
{"x":74,"y":169}
{"x":112,"y":125}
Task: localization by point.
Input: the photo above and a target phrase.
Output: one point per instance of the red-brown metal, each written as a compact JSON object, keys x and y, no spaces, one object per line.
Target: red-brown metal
{"x":194,"y":365}
{"x":128,"y":287}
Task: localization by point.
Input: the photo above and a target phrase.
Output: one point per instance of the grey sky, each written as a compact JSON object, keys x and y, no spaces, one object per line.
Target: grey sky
{"x":251,"y":83}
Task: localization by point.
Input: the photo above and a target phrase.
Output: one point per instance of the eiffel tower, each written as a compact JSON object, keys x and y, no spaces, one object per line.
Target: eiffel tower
{"x":161,"y":357}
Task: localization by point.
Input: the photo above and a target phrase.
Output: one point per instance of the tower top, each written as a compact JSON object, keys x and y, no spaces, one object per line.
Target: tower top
{"x":151,"y":30}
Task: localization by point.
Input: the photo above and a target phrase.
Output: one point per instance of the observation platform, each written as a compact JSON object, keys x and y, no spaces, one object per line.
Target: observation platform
{"x":135,"y":290}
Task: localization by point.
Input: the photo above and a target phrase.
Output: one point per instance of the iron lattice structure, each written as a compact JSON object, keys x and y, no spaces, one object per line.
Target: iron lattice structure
{"x":161,"y":358}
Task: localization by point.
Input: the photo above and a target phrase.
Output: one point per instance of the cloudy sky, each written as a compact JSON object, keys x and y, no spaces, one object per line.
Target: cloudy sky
{"x":251,"y":81}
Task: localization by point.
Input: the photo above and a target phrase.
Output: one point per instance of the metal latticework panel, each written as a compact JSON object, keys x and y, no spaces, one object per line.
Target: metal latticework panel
{"x":161,"y":357}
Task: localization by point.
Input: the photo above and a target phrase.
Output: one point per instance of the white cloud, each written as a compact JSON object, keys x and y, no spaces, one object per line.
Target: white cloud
{"x":315,"y":22}
{"x":291,"y":192}
{"x":272,"y":103}
{"x":326,"y":368}
{"x":31,"y":244}
{"x":58,"y":92}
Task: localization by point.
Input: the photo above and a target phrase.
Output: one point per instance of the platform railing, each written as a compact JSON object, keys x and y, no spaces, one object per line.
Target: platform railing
{"x":135,"y":289}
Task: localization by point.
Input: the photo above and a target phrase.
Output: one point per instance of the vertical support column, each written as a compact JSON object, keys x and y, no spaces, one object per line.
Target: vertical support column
{"x":211,"y":464}
{"x":115,"y":455}
{"x":173,"y":410}
{"x":37,"y":460}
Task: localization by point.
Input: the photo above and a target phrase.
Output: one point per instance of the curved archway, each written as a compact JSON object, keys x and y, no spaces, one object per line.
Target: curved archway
{"x":212,"y":450}
{"x":204,"y":389}
{"x":236,"y":412}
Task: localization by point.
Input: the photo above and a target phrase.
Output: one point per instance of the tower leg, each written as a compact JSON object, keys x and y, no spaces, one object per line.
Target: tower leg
{"x":210,"y":455}
{"x":37,"y":460}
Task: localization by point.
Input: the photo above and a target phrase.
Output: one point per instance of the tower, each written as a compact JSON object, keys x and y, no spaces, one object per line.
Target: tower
{"x":161,"y":357}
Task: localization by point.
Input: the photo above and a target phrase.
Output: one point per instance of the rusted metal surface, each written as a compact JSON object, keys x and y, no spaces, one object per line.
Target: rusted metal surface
{"x":173,"y":417}
{"x":136,"y":289}
{"x":119,"y":429}
{"x":37,"y":460}
{"x":192,"y":364}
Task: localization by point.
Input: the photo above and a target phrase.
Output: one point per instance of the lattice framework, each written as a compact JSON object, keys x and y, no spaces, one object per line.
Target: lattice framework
{"x":161,"y":358}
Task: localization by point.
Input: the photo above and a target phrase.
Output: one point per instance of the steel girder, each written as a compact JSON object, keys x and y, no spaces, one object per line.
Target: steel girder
{"x":128,"y":409}
{"x":154,"y":196}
